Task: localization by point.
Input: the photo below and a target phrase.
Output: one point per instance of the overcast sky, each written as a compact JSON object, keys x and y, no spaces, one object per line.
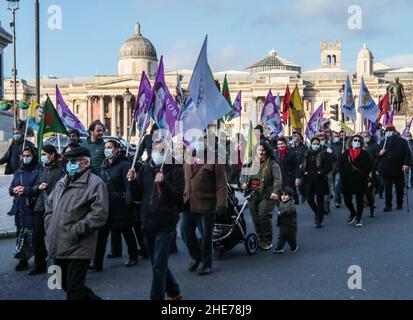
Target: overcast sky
{"x":240,"y":32}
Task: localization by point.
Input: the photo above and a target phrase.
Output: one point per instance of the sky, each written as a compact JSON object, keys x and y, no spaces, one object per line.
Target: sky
{"x":240,"y":33}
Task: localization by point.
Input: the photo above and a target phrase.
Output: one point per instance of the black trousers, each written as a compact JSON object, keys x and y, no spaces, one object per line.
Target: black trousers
{"x":348,"y":200}
{"x":318,"y":208}
{"x":40,"y":251}
{"x":74,"y":273}
{"x":116,"y":242}
{"x":103,"y":235}
{"x":287,"y":234}
{"x":388,"y":190}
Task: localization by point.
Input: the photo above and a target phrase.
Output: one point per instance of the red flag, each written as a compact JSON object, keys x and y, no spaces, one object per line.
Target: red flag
{"x":383,"y":106}
{"x":286,"y":105}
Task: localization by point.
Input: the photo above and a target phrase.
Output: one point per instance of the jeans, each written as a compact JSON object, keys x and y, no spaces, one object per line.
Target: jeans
{"x":205,"y":224}
{"x":74,"y":273}
{"x":337,"y":187}
{"x":158,"y":245}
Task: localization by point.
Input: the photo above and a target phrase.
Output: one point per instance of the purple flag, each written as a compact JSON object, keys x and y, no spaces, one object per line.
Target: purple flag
{"x":142,"y":103}
{"x":236,"y":108}
{"x":268,"y":111}
{"x":389,"y":119}
{"x":314,"y":124}
{"x":163,"y":108}
{"x":407,"y":129}
{"x":69,"y":120}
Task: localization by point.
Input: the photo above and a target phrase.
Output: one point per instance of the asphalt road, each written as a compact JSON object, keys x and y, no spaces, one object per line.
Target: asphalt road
{"x":383,"y":249}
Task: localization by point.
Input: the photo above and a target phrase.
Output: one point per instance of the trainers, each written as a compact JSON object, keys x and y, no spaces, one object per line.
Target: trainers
{"x":338,"y":205}
{"x":278,"y":251}
{"x":319,"y":225}
{"x":294,"y":250}
{"x":359,"y":224}
{"x":266,"y":246}
{"x":351,"y":220}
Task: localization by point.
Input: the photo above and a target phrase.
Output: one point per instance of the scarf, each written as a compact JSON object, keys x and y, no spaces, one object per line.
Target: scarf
{"x":282,"y":152}
{"x":354,"y":153}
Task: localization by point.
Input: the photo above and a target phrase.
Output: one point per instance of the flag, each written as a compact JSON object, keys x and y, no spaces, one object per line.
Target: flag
{"x":407,"y":129}
{"x":252,"y":141}
{"x":69,"y":120}
{"x":367,"y":107}
{"x":314,"y":124}
{"x":51,"y":123}
{"x":383,"y":106}
{"x":286,"y":105}
{"x":389,"y":119}
{"x":163,"y":108}
{"x":142,"y":103}
{"x":227,"y":96}
{"x":270,"y":116}
{"x":35,"y":115}
{"x":296,"y":109}
{"x":345,"y":127}
{"x":236,"y":108}
{"x":348,"y":106}
{"x":208,"y":104}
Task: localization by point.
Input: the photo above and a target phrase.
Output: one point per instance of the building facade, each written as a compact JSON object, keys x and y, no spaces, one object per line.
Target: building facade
{"x":102,"y":96}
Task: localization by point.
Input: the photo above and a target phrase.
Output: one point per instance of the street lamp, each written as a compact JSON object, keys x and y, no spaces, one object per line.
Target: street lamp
{"x":13,"y":6}
{"x":128,"y":97}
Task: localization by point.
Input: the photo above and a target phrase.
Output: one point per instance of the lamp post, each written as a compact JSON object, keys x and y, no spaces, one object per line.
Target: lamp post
{"x":128,"y":97}
{"x":13,"y":6}
{"x":37,"y":36}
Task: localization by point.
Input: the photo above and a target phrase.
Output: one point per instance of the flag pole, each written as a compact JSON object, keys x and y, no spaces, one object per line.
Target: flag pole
{"x":130,"y":135}
{"x":135,"y":157}
{"x":58,"y":142}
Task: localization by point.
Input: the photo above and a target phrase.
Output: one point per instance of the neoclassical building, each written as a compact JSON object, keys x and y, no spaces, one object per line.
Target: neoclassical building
{"x":103,"y":96}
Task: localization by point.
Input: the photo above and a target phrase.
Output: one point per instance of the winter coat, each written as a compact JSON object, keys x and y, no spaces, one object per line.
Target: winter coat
{"x":316,"y":166}
{"x":205,"y":187}
{"x":288,"y":167}
{"x":287,"y":217}
{"x":355,"y":174}
{"x":373,"y":150}
{"x":397,"y":154}
{"x":121,"y":209}
{"x":23,"y":205}
{"x":12,"y":156}
{"x":337,"y":148}
{"x":146,"y":145}
{"x":161,"y":204}
{"x":75,"y":210}
{"x":50,"y":175}
{"x":299,"y":152}
{"x":97,"y":154}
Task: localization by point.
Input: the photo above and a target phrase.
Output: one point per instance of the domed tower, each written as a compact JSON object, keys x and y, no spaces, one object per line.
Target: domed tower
{"x":136,"y":55}
{"x":365,"y":62}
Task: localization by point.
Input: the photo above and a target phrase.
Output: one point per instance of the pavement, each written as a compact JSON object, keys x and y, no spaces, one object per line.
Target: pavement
{"x":382,"y":249}
{"x":7,"y":228}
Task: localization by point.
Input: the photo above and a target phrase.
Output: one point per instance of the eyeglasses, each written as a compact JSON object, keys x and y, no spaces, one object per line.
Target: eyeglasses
{"x":356,"y":140}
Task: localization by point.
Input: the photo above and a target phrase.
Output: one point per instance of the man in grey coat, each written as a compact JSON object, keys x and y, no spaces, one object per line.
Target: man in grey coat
{"x":77,"y":207}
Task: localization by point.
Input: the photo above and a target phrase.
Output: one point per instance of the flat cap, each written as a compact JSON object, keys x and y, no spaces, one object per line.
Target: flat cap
{"x":77,"y":153}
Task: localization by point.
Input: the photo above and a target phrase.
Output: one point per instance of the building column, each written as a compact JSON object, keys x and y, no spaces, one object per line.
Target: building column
{"x":113,"y":119}
{"x":102,"y":109}
{"x":89,"y":109}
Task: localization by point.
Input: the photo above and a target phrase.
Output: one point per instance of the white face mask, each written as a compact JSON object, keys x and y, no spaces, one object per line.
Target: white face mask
{"x":108,"y":153}
{"x":157,"y":158}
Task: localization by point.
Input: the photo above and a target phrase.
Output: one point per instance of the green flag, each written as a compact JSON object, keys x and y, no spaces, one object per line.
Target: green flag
{"x":227,"y":96}
{"x":51,"y":123}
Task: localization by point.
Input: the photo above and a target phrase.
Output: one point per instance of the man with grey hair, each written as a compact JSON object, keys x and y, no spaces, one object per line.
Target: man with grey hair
{"x":77,"y":207}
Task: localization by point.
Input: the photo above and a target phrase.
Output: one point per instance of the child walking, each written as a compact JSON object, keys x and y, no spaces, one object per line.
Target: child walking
{"x":287,"y":222}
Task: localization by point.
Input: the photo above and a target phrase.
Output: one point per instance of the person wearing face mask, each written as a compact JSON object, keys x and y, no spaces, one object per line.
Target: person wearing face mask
{"x":12,"y":157}
{"x":287,"y":162}
{"x":21,"y":188}
{"x":75,"y":210}
{"x":325,"y":144}
{"x":161,"y":193}
{"x":374,"y":179}
{"x":299,"y":150}
{"x":264,"y":177}
{"x":53,"y":169}
{"x":316,"y":166}
{"x":355,"y":167}
{"x":395,"y":159}
{"x":122,"y":216}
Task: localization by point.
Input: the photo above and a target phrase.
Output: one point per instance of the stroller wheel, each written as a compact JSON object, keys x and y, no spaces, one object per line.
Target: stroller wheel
{"x":251,"y":243}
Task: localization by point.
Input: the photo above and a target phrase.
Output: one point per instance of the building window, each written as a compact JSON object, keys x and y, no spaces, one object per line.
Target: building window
{"x":334,"y":60}
{"x":329,"y":60}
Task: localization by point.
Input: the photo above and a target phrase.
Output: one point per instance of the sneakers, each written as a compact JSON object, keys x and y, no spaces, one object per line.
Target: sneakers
{"x":278,"y":251}
{"x":22,"y":265}
{"x":359,"y":224}
{"x":351,"y":220}
{"x":338,"y":205}
{"x":294,"y":250}
{"x":266,"y":246}
{"x":319,"y":225}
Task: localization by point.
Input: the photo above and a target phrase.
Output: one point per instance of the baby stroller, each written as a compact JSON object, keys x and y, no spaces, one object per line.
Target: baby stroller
{"x":231,"y":229}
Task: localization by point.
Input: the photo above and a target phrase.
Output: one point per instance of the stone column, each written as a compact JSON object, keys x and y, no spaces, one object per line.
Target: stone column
{"x":102,"y":109}
{"x":89,"y":110}
{"x":113,"y":119}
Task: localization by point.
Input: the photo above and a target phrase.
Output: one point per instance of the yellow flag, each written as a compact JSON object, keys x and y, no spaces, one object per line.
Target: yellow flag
{"x":296,"y":109}
{"x":252,"y":141}
{"x":345,"y":127}
{"x":32,"y":109}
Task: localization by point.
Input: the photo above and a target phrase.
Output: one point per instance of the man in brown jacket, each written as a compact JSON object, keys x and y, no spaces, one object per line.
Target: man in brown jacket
{"x":205,"y":195}
{"x":77,"y":207}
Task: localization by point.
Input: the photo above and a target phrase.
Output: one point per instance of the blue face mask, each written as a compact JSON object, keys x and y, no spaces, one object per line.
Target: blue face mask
{"x":72,"y":168}
{"x":157,"y":158}
{"x":27,"y":160}
{"x":315,"y":147}
{"x":356,"y":144}
{"x":45,"y":160}
{"x":17,"y":137}
{"x":389,"y":134}
{"x":108,"y":153}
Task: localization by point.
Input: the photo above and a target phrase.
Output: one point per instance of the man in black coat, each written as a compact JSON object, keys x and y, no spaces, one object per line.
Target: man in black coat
{"x":395,"y":159}
{"x":161,"y":193}
{"x":13,"y":154}
{"x":338,"y":147}
{"x":299,"y":151}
